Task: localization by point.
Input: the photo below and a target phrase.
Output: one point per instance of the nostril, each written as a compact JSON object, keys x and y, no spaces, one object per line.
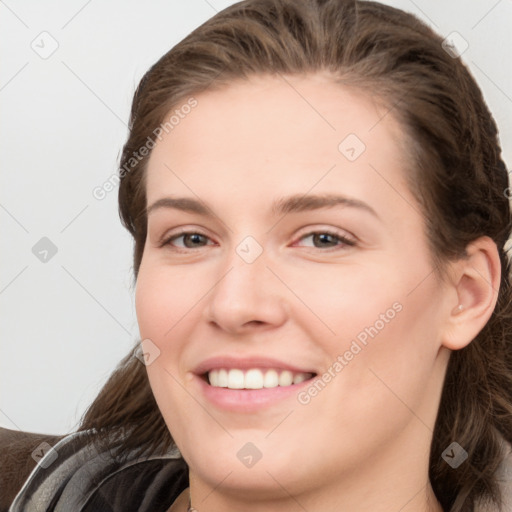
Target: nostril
{"x":254,"y":323}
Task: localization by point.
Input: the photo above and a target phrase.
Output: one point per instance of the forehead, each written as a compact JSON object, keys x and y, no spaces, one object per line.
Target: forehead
{"x":277,"y":130}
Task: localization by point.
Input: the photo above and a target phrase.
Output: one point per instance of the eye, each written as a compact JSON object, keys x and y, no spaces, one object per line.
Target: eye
{"x":326,"y":240}
{"x":187,"y":240}
{"x":317,"y":239}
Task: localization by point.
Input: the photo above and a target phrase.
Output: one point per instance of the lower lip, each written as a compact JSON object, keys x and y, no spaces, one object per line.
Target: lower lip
{"x":249,"y":400}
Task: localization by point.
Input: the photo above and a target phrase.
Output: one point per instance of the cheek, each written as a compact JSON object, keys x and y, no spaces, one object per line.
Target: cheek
{"x":164,"y":301}
{"x":166,"y":297}
{"x":349,"y":302}
{"x":168,"y":302}
{"x":384,"y":361}
{"x":385,"y":321}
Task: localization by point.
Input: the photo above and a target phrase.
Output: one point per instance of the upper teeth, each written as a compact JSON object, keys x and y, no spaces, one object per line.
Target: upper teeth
{"x":255,"y":378}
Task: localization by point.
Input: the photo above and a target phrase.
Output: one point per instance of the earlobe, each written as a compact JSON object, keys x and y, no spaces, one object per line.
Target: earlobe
{"x":477,"y":281}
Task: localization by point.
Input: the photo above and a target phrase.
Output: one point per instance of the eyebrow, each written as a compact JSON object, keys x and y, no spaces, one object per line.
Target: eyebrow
{"x":290,"y":204}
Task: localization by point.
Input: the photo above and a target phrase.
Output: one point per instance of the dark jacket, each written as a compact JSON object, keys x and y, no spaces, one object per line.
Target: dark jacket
{"x":41,"y":473}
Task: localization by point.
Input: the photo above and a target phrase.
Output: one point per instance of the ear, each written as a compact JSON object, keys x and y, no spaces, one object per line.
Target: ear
{"x":476,"y":281}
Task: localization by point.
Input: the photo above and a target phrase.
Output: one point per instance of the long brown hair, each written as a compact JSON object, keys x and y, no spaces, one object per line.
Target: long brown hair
{"x":457,"y":176}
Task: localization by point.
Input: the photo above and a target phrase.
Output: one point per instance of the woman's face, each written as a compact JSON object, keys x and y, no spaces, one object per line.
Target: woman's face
{"x":285,"y":254}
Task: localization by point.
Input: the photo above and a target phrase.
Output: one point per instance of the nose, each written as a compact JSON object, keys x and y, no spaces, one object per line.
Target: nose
{"x":246,"y":297}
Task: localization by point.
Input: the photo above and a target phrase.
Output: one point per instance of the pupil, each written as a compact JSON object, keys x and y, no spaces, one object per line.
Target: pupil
{"x":194,"y":239}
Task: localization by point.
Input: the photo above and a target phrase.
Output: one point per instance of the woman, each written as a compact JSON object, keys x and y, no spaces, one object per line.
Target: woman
{"x":319,"y":209}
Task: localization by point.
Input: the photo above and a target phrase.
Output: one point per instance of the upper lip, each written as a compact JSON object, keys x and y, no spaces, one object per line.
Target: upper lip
{"x":228,"y":362}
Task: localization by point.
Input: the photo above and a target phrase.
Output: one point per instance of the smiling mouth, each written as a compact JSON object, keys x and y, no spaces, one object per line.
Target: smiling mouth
{"x":254,"y":378}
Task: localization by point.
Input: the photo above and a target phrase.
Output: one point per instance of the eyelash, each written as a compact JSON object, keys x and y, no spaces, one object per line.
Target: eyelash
{"x":344,"y":241}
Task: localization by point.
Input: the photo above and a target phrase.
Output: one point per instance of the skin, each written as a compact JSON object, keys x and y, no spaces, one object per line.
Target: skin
{"x":362,"y":443}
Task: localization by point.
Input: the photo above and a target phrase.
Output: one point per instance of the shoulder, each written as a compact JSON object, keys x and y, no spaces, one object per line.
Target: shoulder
{"x":73,"y":475}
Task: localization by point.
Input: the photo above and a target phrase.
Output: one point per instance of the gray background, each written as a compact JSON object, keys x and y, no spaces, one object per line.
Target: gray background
{"x":66,"y":322}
